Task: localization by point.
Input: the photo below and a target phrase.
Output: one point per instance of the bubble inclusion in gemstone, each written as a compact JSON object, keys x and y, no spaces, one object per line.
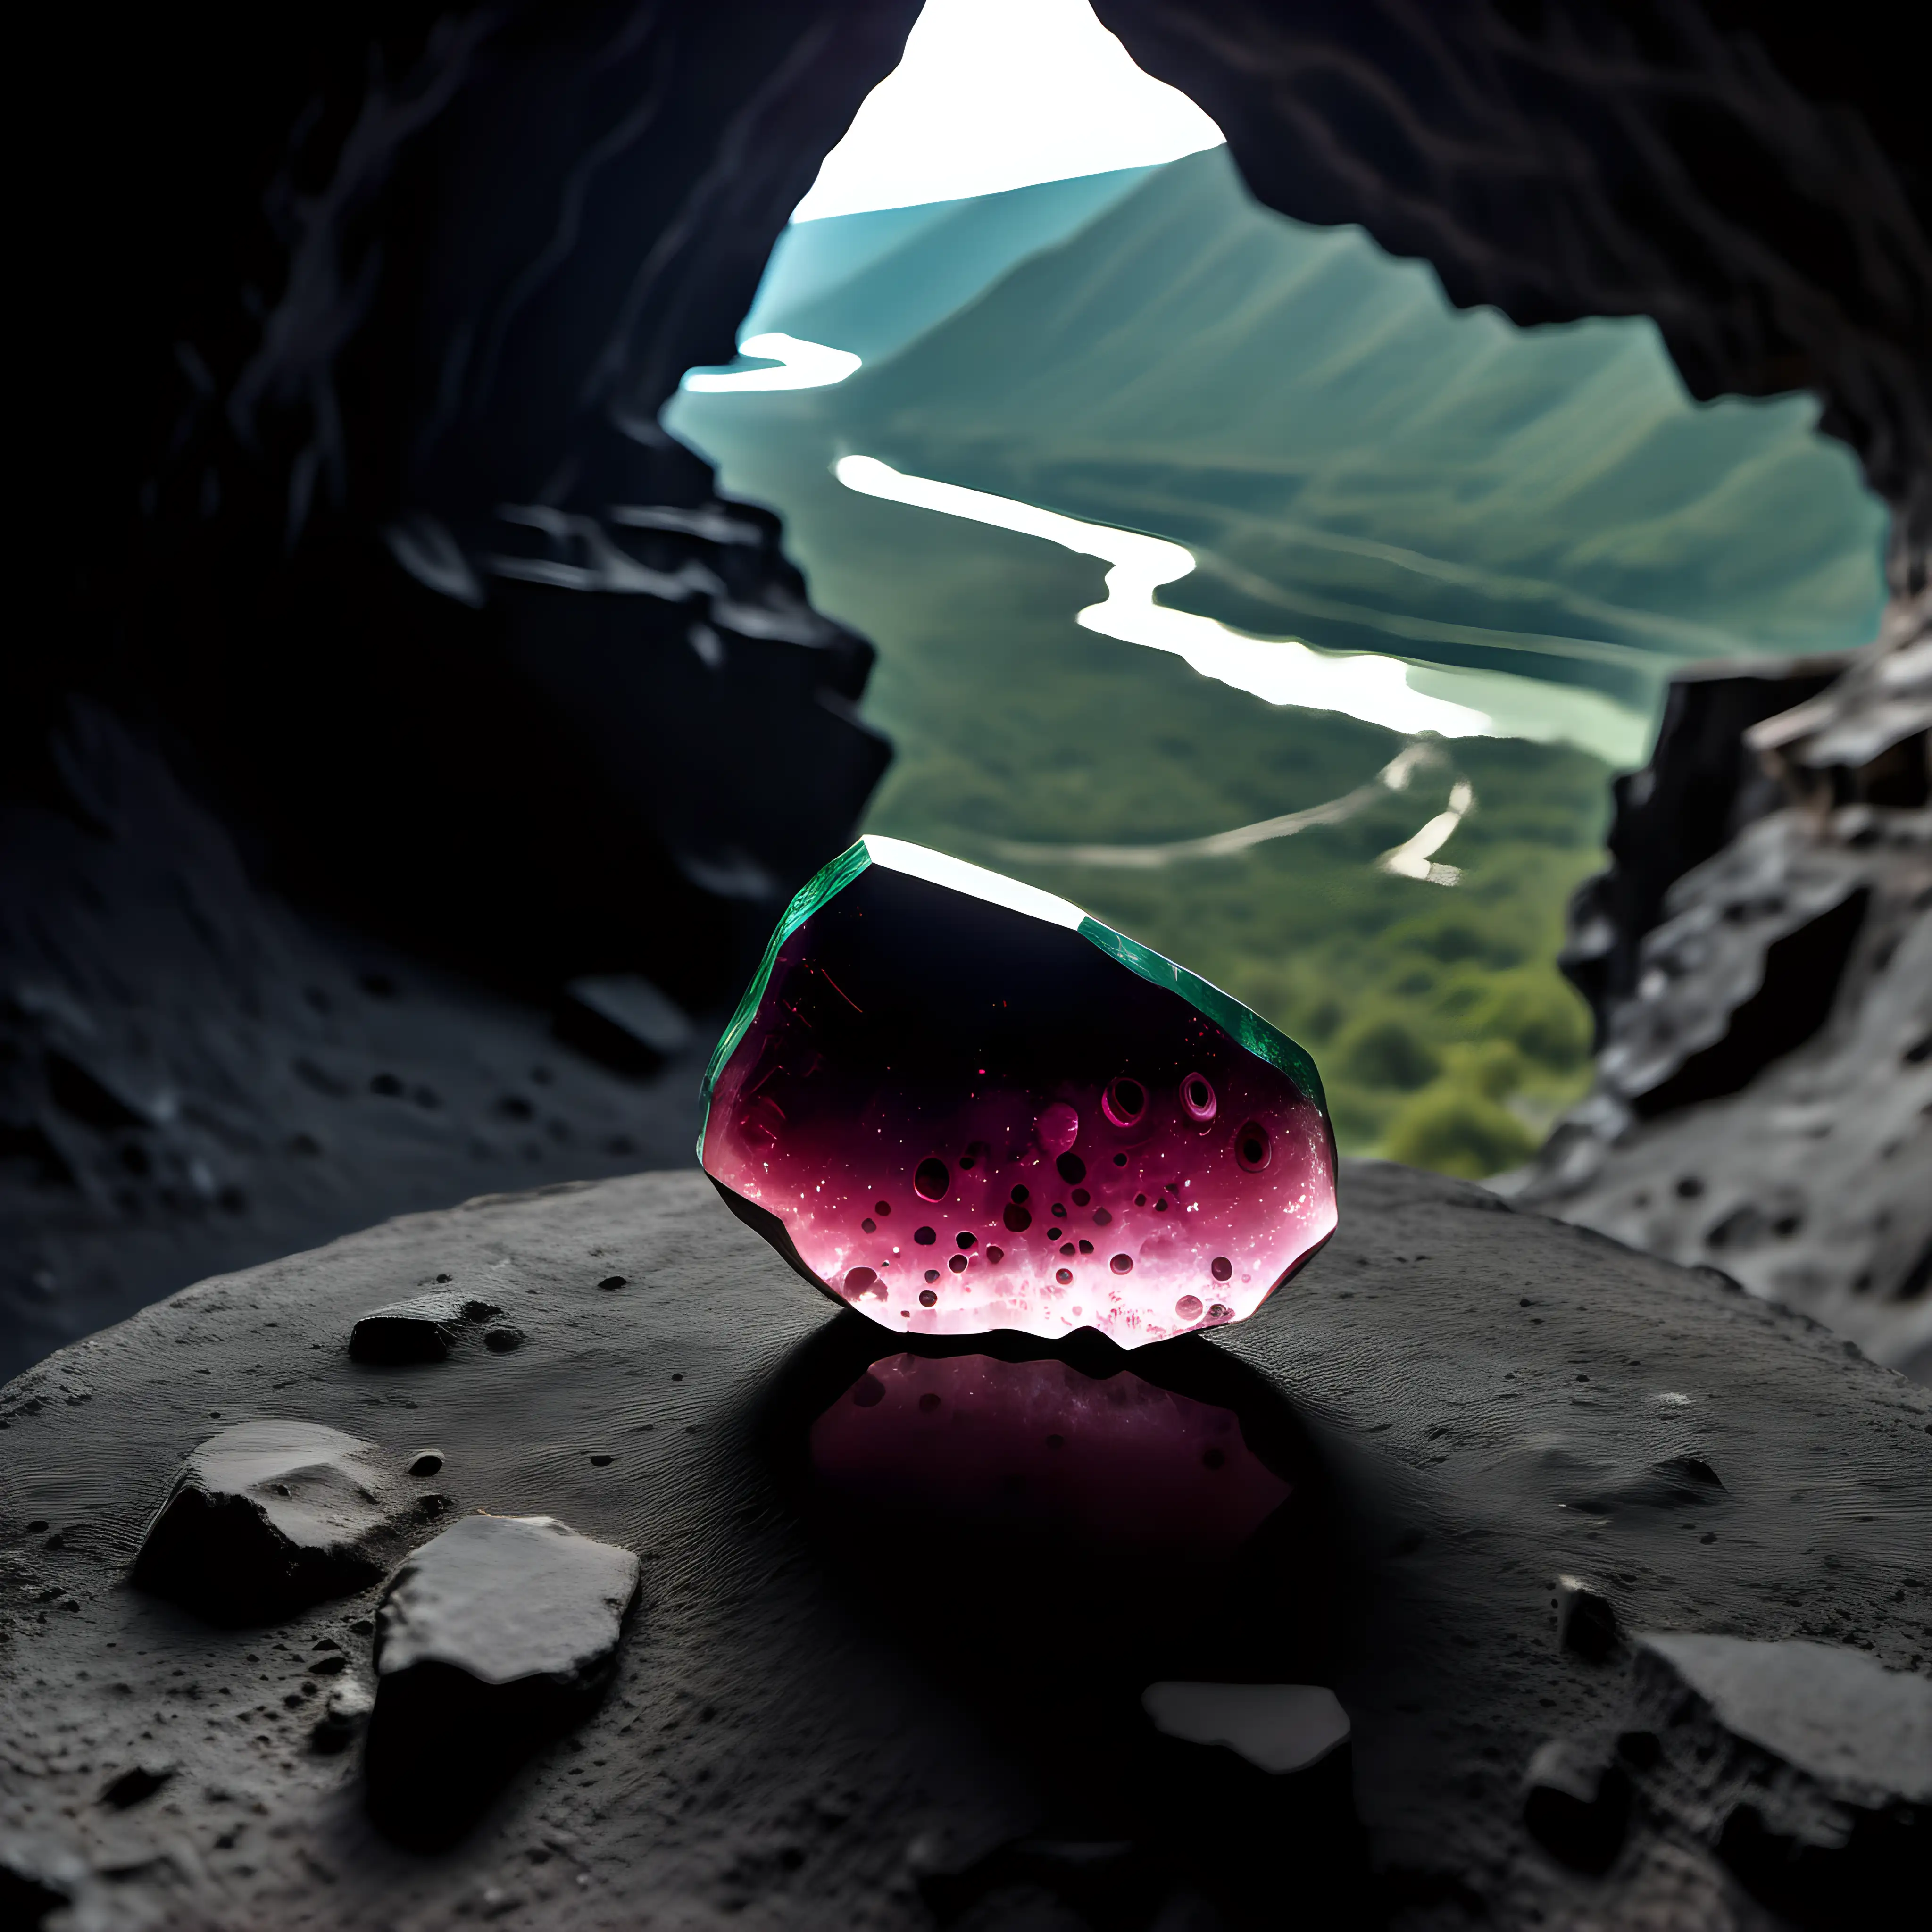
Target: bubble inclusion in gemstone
{"x":922,"y":1031}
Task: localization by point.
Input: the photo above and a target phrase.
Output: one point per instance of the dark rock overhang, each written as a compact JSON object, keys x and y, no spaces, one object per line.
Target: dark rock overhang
{"x":1755,"y":176}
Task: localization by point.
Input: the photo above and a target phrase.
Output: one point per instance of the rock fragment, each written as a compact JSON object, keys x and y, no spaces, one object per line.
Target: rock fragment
{"x":500,"y":1634}
{"x":1806,"y":1766}
{"x":266,"y":1517}
{"x":136,"y":1784}
{"x":1271,"y":1765}
{"x":1277,"y":1727}
{"x":623,"y":1021}
{"x":342,"y":1718}
{"x":424,"y":1330}
{"x":1586,"y":1621}
{"x":1576,"y":1802}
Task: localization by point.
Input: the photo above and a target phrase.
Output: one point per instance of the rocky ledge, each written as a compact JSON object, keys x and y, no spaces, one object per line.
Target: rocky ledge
{"x":1758,"y":956}
{"x":1551,"y":1580}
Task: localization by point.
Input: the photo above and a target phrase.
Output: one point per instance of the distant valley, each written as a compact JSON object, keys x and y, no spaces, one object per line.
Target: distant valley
{"x":1540,"y":516}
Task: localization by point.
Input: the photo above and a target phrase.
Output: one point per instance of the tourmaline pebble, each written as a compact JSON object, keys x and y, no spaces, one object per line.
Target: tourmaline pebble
{"x":957,"y":1104}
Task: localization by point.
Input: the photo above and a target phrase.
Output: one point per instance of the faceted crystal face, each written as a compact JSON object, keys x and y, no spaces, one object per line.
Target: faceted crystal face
{"x":958,"y":1104}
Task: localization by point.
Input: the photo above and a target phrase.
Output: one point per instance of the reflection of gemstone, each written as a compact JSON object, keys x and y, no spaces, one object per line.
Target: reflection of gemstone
{"x":928,"y":1037}
{"x":1114,"y":1466}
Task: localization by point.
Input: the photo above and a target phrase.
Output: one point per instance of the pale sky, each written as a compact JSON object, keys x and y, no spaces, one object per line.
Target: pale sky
{"x":999,"y":94}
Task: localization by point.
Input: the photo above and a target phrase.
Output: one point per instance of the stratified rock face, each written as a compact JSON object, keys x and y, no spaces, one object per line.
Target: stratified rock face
{"x":877,"y":1682}
{"x":1703,"y":785}
{"x":268,"y":1517}
{"x":497,"y":1636}
{"x":957,"y":1104}
{"x":1806,"y":1766}
{"x":1764,"y":1093}
{"x":361,"y":318}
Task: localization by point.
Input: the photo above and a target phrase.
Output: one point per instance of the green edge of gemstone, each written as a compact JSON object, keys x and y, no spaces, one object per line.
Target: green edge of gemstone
{"x":826,"y":883}
{"x":1242,"y":1023}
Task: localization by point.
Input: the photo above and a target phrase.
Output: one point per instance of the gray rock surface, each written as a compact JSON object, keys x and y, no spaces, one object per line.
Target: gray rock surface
{"x":1586,"y":1619}
{"x":1575,"y":1804}
{"x":1468,"y":1402}
{"x":1277,"y":1727}
{"x":268,"y":1516}
{"x":1763,"y":1102}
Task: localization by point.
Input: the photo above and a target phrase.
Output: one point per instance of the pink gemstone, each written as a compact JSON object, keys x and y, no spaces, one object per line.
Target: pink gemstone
{"x":943,"y":1084}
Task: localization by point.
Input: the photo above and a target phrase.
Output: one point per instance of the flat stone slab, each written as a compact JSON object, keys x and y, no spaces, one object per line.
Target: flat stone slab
{"x":1459,"y":1404}
{"x":268,"y":1516}
{"x":1278,"y":1728}
{"x":504,"y":1598}
{"x":498,"y":1634}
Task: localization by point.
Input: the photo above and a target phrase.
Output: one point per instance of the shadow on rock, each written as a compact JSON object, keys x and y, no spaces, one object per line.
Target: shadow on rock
{"x":1081,"y":1544}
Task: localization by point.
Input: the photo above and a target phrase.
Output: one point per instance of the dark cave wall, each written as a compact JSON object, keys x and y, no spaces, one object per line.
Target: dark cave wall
{"x":1757,"y":177}
{"x":333,"y":289}
{"x":315,"y":295}
{"x":329,"y":292}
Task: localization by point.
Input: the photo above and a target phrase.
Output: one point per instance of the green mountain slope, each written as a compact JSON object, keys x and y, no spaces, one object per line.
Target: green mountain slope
{"x":1354,"y":463}
{"x":1357,"y":464}
{"x":871,"y":282}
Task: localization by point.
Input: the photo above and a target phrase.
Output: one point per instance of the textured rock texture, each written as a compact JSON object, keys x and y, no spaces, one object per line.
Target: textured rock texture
{"x":404,"y":569}
{"x":374,"y":588}
{"x":1465,"y":1403}
{"x":270,"y":1516}
{"x":423,"y":1329}
{"x":1808,"y":1767}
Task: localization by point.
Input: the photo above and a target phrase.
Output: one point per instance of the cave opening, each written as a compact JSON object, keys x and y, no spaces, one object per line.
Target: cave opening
{"x":1030,"y":376}
{"x":427,"y":736}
